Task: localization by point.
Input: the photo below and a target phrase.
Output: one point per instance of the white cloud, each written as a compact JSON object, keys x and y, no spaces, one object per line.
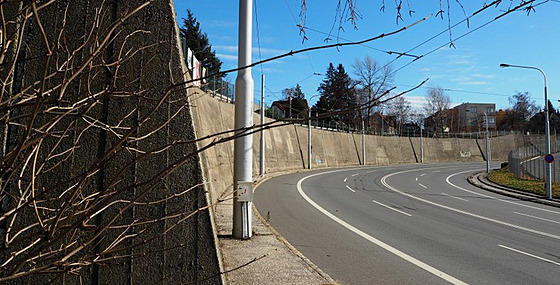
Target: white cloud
{"x":417,"y":102}
{"x":226,"y":56}
{"x":487,"y":76}
{"x":226,"y":48}
{"x":475,"y":83}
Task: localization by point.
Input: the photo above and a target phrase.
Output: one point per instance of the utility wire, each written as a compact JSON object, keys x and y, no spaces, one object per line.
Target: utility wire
{"x":460,"y":37}
{"x":460,"y":91}
{"x":364,"y":45}
{"x":258,"y":33}
{"x":303,"y":43}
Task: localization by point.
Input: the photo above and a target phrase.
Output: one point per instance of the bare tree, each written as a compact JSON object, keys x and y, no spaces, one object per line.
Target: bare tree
{"x":374,"y":80}
{"x":517,"y":116}
{"x":436,"y":108}
{"x":99,"y":167}
{"x":96,"y":178}
{"x":399,"y":108}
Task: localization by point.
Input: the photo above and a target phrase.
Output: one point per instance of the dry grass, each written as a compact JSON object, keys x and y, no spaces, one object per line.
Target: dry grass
{"x":506,"y":178}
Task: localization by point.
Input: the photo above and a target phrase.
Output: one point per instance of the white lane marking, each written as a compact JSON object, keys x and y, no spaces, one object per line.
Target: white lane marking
{"x":350,"y":189}
{"x":528,"y":254}
{"x":538,"y":218}
{"x":345,"y":179}
{"x":494,"y":198}
{"x":383,"y":181}
{"x":355,"y":174}
{"x":375,"y":241}
{"x":459,"y":198}
{"x":416,"y":178}
{"x":422,"y":185}
{"x":422,"y":174}
{"x":391,"y":208}
{"x":371,"y":171}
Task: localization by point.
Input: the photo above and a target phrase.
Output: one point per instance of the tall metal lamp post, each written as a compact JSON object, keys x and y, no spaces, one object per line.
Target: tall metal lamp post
{"x":487,"y":145}
{"x":243,"y":144}
{"x":548,"y":178}
{"x":309,"y":148}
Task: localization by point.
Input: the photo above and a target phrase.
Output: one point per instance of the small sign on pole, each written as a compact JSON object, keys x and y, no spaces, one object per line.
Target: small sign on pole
{"x":244,"y":191}
{"x":549,"y":158}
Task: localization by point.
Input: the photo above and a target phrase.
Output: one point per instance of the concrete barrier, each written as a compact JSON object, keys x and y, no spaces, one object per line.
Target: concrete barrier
{"x":287,"y":146}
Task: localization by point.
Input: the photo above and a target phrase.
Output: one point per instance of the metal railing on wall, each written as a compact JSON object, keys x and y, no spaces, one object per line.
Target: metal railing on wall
{"x":528,"y":162}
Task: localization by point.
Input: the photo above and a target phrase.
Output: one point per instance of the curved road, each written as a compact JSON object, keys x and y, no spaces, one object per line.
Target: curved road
{"x":413,"y":224}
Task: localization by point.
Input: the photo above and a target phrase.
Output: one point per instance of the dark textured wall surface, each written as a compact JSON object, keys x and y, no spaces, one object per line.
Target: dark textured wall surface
{"x":126,"y":136}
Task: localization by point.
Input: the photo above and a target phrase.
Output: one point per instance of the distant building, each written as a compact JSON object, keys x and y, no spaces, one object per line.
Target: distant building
{"x":472,"y":116}
{"x":382,"y":124}
{"x":280,"y":109}
{"x":467,"y":117}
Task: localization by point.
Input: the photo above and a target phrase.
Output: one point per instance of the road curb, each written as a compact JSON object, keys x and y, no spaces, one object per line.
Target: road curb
{"x":481,"y":181}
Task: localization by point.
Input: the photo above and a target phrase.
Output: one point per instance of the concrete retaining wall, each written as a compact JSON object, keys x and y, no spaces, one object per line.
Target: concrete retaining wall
{"x":286,"y":147}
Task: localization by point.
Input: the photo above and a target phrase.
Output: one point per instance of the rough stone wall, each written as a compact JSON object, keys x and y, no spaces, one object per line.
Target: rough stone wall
{"x":129,"y":139}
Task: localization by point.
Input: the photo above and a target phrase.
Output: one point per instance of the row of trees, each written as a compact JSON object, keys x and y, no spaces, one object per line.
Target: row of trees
{"x":345,"y":102}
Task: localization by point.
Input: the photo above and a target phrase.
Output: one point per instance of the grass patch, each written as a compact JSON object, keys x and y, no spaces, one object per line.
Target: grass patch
{"x":505,"y":178}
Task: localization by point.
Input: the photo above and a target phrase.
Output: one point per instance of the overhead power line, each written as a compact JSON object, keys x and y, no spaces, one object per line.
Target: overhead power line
{"x":460,"y":91}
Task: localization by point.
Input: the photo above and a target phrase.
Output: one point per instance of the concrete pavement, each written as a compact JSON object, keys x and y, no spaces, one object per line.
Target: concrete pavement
{"x":267,"y":258}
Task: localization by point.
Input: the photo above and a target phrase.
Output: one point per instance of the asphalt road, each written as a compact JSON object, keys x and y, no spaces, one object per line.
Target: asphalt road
{"x":413,"y":224}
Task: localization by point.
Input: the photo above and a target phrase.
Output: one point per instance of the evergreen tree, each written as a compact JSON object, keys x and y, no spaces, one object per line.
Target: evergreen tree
{"x":338,"y":97}
{"x":198,"y":42}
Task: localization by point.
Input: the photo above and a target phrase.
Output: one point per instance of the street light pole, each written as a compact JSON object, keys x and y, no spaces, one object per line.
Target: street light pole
{"x":363,"y":142}
{"x":309,"y":156}
{"x":421,"y":146}
{"x":309,"y":148}
{"x":487,"y":145}
{"x":243,"y":144}
{"x":262,"y":150}
{"x":548,"y":178}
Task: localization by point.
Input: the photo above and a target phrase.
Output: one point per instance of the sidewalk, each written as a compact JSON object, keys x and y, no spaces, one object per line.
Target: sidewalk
{"x":266,"y":258}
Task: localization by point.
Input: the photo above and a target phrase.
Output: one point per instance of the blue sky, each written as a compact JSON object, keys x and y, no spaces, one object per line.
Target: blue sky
{"x":469,"y":72}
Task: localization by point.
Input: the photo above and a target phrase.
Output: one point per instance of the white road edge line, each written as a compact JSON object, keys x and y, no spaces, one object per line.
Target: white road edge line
{"x":383,"y":181}
{"x":422,"y":185}
{"x":494,"y":198}
{"x":350,"y":189}
{"x":373,"y":240}
{"x":391,"y":208}
{"x":528,"y":254}
{"x":538,"y":218}
{"x":451,"y":196}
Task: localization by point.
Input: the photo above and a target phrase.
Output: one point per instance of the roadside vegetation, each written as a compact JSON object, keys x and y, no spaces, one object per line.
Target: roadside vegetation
{"x":506,"y":178}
